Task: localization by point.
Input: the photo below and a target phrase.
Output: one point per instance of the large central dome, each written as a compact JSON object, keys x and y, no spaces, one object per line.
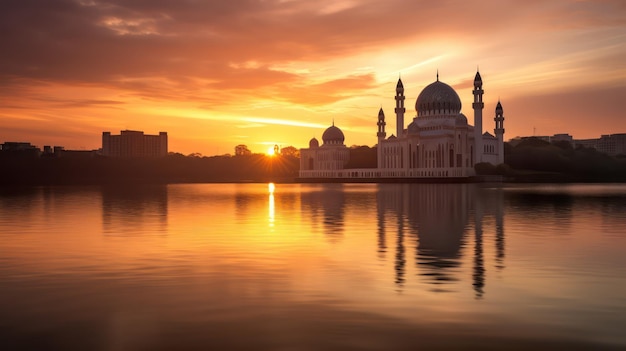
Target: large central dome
{"x":333,"y":136}
{"x":438,"y":98}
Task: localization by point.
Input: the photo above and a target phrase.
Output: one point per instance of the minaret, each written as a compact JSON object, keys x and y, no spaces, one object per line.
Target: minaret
{"x":478,"y":106}
{"x":499,"y":131}
{"x":381,"y":136}
{"x":399,"y":109}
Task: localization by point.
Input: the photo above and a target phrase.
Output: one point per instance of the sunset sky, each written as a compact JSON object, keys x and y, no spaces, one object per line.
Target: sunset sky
{"x":214,"y":74}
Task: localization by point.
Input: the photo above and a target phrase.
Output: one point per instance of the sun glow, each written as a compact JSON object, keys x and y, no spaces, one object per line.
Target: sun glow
{"x":271,"y":151}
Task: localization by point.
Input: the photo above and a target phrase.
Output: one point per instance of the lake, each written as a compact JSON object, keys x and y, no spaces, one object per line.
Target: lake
{"x":313,"y":267}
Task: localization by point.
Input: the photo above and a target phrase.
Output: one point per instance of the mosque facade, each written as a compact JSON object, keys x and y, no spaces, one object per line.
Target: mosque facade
{"x":438,"y":143}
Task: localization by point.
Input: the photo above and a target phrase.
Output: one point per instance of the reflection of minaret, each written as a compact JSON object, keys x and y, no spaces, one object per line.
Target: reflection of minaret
{"x":392,"y":197}
{"x":479,"y":264}
{"x":499,"y":231}
{"x":380,"y":216}
{"x":400,"y":258}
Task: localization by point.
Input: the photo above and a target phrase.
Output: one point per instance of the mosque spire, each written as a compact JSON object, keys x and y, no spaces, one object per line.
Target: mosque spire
{"x":478,"y":80}
{"x":437,"y":74}
{"x":399,"y":110}
{"x":381,"y":124}
{"x":478,"y":106}
{"x":399,"y":87}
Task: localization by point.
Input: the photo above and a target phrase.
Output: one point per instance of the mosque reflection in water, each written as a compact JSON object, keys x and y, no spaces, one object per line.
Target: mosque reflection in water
{"x":440,"y":221}
{"x":431,"y":225}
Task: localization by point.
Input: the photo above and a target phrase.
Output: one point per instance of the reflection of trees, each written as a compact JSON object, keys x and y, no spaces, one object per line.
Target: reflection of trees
{"x":545,"y":204}
{"x":613,"y":208}
{"x":326,"y":204}
{"x":136,"y":209}
{"x":20,"y":202}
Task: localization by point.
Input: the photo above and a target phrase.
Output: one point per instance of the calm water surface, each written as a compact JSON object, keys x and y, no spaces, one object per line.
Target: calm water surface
{"x":313,"y":267}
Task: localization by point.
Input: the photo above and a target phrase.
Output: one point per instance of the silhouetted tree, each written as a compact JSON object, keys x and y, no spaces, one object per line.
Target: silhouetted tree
{"x":242,"y":150}
{"x":362,"y":157}
{"x":290,"y":151}
{"x":560,"y":158}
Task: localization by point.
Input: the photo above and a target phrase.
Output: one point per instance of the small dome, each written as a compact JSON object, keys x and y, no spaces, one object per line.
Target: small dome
{"x":313,"y":143}
{"x":333,"y":135}
{"x":438,"y":98}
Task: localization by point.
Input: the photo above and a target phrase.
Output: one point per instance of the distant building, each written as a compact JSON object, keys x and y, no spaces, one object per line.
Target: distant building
{"x":18,"y":146}
{"x":590,"y":143}
{"x":546,"y":138}
{"x":19,"y":149}
{"x":76,"y":154}
{"x":562,"y":137}
{"x":131,"y":143}
{"x":611,"y":144}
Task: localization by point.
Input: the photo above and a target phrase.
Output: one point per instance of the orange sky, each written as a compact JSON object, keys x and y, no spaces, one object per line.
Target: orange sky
{"x":214,"y":74}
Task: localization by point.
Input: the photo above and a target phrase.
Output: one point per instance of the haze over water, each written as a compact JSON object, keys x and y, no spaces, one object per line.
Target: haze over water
{"x":312,"y":267}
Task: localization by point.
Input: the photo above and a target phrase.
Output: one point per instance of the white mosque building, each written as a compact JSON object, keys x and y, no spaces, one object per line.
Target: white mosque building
{"x":438,"y":143}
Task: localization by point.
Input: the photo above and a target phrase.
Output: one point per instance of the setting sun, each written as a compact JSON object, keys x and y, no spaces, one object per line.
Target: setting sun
{"x":271,"y":151}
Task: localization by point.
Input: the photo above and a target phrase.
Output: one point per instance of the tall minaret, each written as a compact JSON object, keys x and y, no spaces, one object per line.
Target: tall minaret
{"x":499,"y":131}
{"x":381,"y":136}
{"x":399,"y":108}
{"x":478,"y":106}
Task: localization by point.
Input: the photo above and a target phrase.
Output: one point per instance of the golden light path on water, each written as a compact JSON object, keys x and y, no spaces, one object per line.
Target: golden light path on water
{"x":271,"y":187}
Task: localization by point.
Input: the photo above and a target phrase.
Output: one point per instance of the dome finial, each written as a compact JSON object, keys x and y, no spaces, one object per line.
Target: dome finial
{"x":437,"y":74}
{"x":333,"y":122}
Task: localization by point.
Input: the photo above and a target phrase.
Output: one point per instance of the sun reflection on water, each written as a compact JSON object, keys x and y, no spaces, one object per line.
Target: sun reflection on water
{"x":271,"y":187}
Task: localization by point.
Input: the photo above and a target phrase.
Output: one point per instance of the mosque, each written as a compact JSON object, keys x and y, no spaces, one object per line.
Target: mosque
{"x":438,"y":143}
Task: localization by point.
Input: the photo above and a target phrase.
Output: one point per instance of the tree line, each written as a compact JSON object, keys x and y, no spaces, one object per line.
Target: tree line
{"x":534,"y":159}
{"x":530,"y":160}
{"x":173,"y":168}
